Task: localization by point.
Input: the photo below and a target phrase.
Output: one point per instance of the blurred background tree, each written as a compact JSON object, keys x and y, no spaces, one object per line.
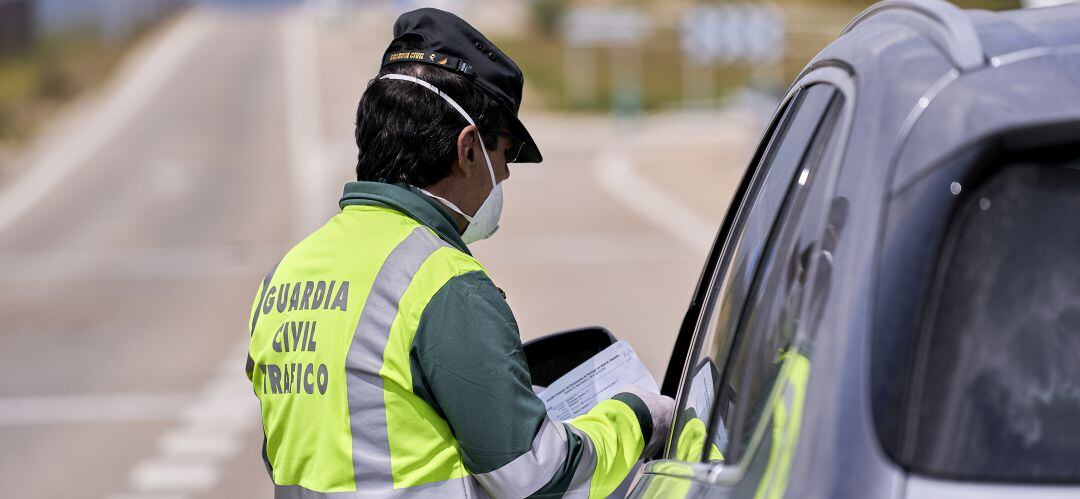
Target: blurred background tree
{"x":547,"y":14}
{"x":52,"y":50}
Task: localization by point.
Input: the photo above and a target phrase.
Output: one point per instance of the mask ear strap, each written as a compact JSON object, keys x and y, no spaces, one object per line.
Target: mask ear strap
{"x":394,"y":76}
{"x":448,"y":204}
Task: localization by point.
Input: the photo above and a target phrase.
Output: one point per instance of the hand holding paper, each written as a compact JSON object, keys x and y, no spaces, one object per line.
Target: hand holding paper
{"x":599,"y":378}
{"x":662,"y":411}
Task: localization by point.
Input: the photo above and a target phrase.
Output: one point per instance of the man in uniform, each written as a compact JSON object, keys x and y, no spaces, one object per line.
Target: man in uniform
{"x":385,"y":360}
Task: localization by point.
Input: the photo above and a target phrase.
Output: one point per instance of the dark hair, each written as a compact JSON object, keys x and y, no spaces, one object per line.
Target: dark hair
{"x":407,"y":133}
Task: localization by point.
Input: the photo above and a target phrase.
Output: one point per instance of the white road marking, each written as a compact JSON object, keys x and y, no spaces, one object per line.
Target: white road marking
{"x":138,"y":80}
{"x":147,"y":496}
{"x":175,"y":475}
{"x":615,"y":173}
{"x":214,"y":422}
{"x":203,"y":442}
{"x":149,"y":263}
{"x":190,"y":456}
{"x":78,"y":409}
{"x":339,"y":152}
{"x":306,"y":151}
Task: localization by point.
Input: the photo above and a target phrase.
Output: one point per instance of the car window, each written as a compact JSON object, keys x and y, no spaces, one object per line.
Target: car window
{"x":765,"y":353}
{"x":696,"y":398}
{"x":996,"y":383}
{"x":782,"y":168}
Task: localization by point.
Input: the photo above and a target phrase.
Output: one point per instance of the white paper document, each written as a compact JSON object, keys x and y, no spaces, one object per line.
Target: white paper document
{"x":701,"y":392}
{"x":599,"y":378}
{"x":700,"y":398}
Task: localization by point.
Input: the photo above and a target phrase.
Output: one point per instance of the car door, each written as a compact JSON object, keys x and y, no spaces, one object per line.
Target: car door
{"x":745,"y":364}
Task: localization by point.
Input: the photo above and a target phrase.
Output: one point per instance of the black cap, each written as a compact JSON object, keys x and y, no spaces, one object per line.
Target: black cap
{"x":452,"y":44}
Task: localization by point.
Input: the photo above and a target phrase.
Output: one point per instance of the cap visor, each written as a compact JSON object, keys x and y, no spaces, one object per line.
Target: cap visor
{"x":530,"y":153}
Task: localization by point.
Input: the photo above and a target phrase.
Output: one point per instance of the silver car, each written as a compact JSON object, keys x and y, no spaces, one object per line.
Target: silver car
{"x":892,"y":305}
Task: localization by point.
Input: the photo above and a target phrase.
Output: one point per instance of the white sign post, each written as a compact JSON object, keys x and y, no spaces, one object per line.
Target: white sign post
{"x":728,"y":34}
{"x":587,"y":30}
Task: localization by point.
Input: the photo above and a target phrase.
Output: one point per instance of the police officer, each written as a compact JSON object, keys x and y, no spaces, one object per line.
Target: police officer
{"x":385,"y":360}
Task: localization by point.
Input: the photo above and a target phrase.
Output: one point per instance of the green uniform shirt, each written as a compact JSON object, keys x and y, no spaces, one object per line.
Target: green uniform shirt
{"x":467,"y":364}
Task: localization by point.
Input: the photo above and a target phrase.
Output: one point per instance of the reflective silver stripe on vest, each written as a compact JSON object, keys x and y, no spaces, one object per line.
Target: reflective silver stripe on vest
{"x":582,"y":481}
{"x":367,"y":411}
{"x":298,"y":492}
{"x":532,"y":470}
{"x":457,"y":487}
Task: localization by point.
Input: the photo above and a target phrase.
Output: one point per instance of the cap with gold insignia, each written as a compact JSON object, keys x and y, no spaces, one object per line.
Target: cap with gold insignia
{"x":451,"y":43}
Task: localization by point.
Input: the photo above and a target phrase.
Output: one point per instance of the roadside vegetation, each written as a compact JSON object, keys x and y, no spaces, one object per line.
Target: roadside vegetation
{"x":540,"y":51}
{"x":541,"y":57}
{"x":36,"y":81}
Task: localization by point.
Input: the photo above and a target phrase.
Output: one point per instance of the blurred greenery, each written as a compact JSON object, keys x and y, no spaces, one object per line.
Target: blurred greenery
{"x":36,"y":81}
{"x":811,"y":25}
{"x":546,"y":14}
{"x":541,"y":59}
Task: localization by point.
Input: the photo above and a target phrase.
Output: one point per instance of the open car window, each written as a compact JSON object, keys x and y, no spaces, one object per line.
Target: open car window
{"x":767,"y":361}
{"x":782,"y":170}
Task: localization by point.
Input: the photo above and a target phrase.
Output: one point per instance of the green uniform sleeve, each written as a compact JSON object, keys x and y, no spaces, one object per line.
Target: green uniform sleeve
{"x":468,"y":364}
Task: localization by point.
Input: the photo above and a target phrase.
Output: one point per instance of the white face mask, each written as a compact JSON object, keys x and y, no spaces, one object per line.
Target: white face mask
{"x":485,"y":221}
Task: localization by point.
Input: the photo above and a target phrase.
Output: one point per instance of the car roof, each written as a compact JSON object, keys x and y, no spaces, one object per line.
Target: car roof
{"x":1005,"y":32}
{"x":931,"y":77}
{"x":967,"y":37}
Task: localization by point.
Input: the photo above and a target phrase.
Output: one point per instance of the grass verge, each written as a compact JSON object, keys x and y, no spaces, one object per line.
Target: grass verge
{"x":38,"y":80}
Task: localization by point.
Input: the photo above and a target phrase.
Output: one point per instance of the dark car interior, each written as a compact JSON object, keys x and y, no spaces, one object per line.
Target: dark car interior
{"x":974,"y":352}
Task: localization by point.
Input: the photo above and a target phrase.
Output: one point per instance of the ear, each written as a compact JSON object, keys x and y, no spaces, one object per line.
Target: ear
{"x":467,"y":141}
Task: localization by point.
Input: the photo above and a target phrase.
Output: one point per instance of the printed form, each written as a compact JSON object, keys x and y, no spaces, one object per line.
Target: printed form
{"x":599,"y":378}
{"x":700,"y":398}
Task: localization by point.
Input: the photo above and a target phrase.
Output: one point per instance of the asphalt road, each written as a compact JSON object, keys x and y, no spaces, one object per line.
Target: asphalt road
{"x":132,"y":242}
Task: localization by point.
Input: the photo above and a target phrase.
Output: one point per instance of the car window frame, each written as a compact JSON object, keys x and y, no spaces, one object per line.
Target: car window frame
{"x":687,"y":342}
{"x":693,"y":329}
{"x":757,"y":258}
{"x":780,"y":237}
{"x":736,"y":267}
{"x":842,"y":79}
{"x":720,"y":260}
